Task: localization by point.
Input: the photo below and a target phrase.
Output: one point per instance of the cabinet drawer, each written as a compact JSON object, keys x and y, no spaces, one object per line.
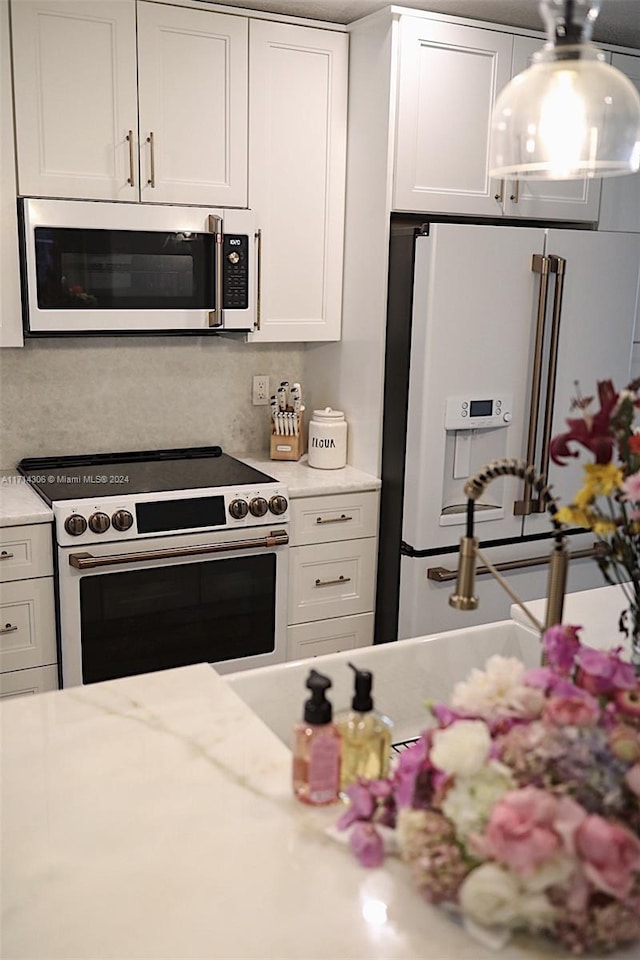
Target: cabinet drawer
{"x":331,"y":580}
{"x":340,"y":517}
{"x":27,"y":624}
{"x":329,"y":636}
{"x":26,"y":552}
{"x":18,"y":683}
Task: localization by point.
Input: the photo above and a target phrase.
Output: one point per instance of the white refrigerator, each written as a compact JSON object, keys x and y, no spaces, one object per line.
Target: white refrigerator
{"x":490,"y":329}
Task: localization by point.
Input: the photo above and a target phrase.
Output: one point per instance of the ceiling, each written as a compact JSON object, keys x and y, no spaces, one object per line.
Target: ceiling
{"x":617,"y":23}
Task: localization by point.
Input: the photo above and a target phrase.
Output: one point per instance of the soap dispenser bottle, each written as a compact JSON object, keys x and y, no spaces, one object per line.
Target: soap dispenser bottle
{"x":366,"y":735}
{"x":316,"y":747}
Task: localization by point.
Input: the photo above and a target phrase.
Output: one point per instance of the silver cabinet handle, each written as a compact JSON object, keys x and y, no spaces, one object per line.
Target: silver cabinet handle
{"x":499,"y":196}
{"x":5,"y":555}
{"x":258,"y":236}
{"x":131,"y":180}
{"x":152,"y":159}
{"x":443,"y":575}
{"x":343,"y":518}
{"x":8,"y":629}
{"x":332,"y":583}
{"x":515,"y":196}
{"x":86,"y":561}
{"x":215,"y":227}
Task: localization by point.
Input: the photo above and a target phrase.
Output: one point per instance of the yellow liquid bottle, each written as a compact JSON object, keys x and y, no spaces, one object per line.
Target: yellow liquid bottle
{"x":365,"y":734}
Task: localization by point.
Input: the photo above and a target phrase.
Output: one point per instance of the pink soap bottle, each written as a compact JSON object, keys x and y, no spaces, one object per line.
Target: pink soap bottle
{"x":316,"y":747}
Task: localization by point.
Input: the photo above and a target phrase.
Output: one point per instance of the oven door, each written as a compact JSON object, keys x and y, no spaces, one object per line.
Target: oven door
{"x":92,"y":267}
{"x":165,"y":602}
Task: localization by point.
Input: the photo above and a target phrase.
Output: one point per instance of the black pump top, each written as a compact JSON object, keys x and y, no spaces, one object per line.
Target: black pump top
{"x":362,"y":701}
{"x":318,"y":709}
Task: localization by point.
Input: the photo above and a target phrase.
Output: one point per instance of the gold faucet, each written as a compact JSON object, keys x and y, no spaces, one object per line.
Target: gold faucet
{"x":464,"y":598}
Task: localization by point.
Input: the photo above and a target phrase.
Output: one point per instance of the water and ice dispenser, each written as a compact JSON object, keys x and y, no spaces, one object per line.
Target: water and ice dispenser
{"x":475,"y":426}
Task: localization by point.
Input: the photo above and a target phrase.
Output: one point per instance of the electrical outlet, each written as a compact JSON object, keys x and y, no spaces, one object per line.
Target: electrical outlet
{"x":260,"y":393}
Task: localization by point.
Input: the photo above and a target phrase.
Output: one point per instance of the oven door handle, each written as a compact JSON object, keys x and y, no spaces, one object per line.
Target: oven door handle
{"x":86,"y":561}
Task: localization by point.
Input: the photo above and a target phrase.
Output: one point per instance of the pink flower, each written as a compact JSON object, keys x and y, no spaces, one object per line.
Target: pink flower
{"x":632,"y":779}
{"x":366,"y":843}
{"x":610,"y":855}
{"x":521,"y":831}
{"x":361,"y":805}
{"x":571,"y":711}
{"x":561,"y":644}
{"x":603,"y":672}
{"x":631,"y":491}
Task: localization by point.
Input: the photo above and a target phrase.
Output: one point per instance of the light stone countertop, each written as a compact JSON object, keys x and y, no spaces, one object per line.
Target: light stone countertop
{"x":19,"y":504}
{"x":305,"y":481}
{"x":151,"y":818}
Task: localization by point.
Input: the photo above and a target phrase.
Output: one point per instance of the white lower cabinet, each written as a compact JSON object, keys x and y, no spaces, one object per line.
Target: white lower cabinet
{"x":332,"y":573}
{"x":28,"y":657}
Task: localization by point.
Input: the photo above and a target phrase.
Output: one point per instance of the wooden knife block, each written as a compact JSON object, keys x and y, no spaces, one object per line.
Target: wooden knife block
{"x":284,"y":447}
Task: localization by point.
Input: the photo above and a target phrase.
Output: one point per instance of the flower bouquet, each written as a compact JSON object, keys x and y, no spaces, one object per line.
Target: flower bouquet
{"x":609,"y":500}
{"x":519,"y":807}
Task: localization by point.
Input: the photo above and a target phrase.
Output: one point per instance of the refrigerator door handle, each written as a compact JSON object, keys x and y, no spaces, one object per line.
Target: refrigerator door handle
{"x":541,"y":265}
{"x":558,"y":266}
{"x":444,"y":575}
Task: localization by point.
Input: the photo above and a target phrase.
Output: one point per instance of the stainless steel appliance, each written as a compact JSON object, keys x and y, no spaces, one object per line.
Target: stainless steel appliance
{"x":489,"y":329}
{"x":165,"y":558}
{"x":92,"y":267}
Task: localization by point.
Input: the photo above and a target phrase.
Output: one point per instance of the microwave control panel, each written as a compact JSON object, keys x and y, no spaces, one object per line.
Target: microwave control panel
{"x":473,"y":413}
{"x":235,"y":272}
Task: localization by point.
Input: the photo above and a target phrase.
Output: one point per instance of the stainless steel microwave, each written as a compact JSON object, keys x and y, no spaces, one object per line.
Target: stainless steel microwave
{"x":91,"y":267}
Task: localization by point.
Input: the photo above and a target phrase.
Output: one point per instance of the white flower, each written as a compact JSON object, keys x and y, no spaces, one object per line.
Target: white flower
{"x":470,"y":800}
{"x":497,"y":691}
{"x":461,"y":749}
{"x":492,"y":896}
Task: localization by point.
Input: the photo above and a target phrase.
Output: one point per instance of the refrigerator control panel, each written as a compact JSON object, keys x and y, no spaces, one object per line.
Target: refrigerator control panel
{"x":478,"y":412}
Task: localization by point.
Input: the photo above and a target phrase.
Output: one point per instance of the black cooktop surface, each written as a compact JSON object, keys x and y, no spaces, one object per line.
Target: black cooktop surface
{"x":102,"y":475}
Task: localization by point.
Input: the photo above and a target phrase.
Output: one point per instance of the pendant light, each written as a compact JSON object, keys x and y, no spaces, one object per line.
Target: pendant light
{"x":570,"y":115}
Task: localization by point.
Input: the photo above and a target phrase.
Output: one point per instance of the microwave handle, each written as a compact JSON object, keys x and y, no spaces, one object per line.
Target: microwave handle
{"x":215,"y":227}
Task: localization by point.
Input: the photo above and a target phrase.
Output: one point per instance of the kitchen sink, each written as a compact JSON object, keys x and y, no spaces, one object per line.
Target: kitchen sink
{"x":406,"y":675}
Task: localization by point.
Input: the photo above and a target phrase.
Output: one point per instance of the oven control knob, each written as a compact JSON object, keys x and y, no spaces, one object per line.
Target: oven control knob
{"x":238,"y":509}
{"x":75,"y":525}
{"x":99,"y":522}
{"x":233,"y":257}
{"x":278,"y":504}
{"x":258,"y":506}
{"x":122,"y":520}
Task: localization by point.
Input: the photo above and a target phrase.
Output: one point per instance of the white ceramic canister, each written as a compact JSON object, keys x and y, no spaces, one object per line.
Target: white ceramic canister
{"x":327,"y":439}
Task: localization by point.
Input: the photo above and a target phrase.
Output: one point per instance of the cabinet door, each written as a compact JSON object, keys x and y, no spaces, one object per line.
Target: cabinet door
{"x":297,"y":156}
{"x":75,"y":98}
{"x":449,"y":78}
{"x":547,"y":199}
{"x":10,"y":316}
{"x":620,"y":202}
{"x":192,"y":89}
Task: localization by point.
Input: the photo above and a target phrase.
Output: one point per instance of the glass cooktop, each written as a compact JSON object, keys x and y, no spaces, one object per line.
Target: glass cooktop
{"x":147,"y":471}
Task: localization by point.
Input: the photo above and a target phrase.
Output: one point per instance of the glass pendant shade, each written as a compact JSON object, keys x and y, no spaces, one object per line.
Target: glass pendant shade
{"x":570,"y":115}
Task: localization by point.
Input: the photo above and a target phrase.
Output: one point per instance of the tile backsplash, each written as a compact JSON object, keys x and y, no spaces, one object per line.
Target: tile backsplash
{"x":82,"y":395}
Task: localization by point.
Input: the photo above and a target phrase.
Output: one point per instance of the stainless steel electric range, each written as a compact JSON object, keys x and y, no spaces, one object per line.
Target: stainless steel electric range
{"x":165,"y":558}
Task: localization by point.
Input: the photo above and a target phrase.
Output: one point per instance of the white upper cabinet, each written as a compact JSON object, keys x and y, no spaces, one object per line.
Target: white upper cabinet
{"x":449,"y":78}
{"x":75,"y":98}
{"x":297,"y":155}
{"x":99,"y":119}
{"x":547,"y":199}
{"x":192,"y":90}
{"x":10,"y":310}
{"x":620,"y":202}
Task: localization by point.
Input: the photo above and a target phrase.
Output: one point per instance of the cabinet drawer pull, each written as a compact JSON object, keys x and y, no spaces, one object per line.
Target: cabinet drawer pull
{"x":5,"y":555}
{"x":341,"y":519}
{"x":331,"y":583}
{"x":8,"y":628}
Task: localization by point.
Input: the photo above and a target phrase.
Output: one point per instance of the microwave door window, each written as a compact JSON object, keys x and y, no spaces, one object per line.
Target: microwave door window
{"x":123,"y":269}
